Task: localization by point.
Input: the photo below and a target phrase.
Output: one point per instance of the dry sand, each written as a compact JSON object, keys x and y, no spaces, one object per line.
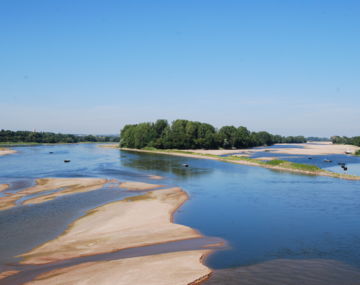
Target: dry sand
{"x":138,"y":186}
{"x":70,"y":185}
{"x":177,"y":268}
{"x":133,"y":222}
{"x":6,"y":151}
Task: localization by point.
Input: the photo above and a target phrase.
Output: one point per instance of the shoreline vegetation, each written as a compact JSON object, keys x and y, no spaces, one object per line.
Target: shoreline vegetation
{"x":8,"y":137}
{"x":276,"y":164}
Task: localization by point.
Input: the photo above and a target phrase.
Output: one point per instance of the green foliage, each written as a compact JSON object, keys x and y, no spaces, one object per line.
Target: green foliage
{"x":357,"y":152}
{"x":346,"y":140}
{"x":184,"y":134}
{"x":7,"y":136}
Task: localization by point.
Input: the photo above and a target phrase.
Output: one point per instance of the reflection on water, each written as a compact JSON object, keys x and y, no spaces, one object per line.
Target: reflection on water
{"x":264,"y":215}
{"x":289,"y":272}
{"x":163,"y":163}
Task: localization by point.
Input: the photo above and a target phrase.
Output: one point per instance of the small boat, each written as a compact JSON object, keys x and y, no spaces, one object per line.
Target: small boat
{"x":327,"y":160}
{"x":67,"y":160}
{"x":309,"y":157}
{"x":51,"y":152}
{"x":348,"y":151}
{"x":345,"y":168}
{"x":341,"y":164}
{"x":186,"y":165}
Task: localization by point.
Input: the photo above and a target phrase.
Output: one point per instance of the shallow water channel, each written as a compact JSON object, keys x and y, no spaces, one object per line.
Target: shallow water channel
{"x":268,"y":218}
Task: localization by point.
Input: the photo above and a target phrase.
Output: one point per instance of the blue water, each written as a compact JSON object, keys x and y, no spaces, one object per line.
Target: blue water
{"x":263,"y":214}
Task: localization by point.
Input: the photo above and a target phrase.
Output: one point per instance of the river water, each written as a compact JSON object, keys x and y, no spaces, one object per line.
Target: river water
{"x":273,"y":222}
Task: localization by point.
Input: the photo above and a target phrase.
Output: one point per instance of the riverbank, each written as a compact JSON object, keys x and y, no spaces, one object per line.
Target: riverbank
{"x":6,"y":151}
{"x":279,"y":165}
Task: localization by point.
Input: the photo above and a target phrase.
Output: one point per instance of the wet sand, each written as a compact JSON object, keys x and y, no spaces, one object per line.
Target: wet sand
{"x":6,"y":274}
{"x":176,"y":268}
{"x":138,"y":186}
{"x":133,"y":222}
{"x":70,"y":185}
{"x":6,"y":151}
{"x":3,"y":187}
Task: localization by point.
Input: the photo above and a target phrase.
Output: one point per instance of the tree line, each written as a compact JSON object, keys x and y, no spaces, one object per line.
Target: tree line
{"x":184,"y":134}
{"x":7,"y":136}
{"x":346,"y":140}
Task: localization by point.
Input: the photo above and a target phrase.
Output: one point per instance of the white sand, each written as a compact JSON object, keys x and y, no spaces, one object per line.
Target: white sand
{"x":133,"y":222}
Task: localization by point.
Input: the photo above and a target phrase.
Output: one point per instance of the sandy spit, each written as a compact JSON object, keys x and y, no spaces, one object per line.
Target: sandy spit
{"x":3,"y":187}
{"x":6,"y":151}
{"x":138,"y":186}
{"x":6,"y":274}
{"x":177,"y":268}
{"x":70,"y":185}
{"x":133,"y":222}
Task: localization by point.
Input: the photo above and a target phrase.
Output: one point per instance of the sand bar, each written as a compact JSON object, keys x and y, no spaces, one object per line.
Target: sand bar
{"x":6,"y":274}
{"x":176,"y":268}
{"x":6,"y":151}
{"x":138,"y":186}
{"x":133,"y":222}
{"x":3,"y":187}
{"x":70,"y":185}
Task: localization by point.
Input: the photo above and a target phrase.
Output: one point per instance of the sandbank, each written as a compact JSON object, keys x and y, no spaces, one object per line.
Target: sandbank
{"x":156,"y":177}
{"x":118,"y":225}
{"x":6,"y":151}
{"x":176,"y":268}
{"x":70,"y":185}
{"x":138,"y":186}
{"x":4,"y":187}
{"x":6,"y":274}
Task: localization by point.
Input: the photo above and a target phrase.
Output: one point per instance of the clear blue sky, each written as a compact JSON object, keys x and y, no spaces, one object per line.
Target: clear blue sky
{"x":83,"y":66}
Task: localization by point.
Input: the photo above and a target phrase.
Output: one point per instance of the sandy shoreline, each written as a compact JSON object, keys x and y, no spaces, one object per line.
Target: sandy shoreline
{"x":3,"y":187}
{"x":6,"y":151}
{"x":70,"y":185}
{"x":134,"y":222}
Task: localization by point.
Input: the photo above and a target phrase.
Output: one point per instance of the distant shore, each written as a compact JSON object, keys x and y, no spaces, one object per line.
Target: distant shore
{"x":279,"y":165}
